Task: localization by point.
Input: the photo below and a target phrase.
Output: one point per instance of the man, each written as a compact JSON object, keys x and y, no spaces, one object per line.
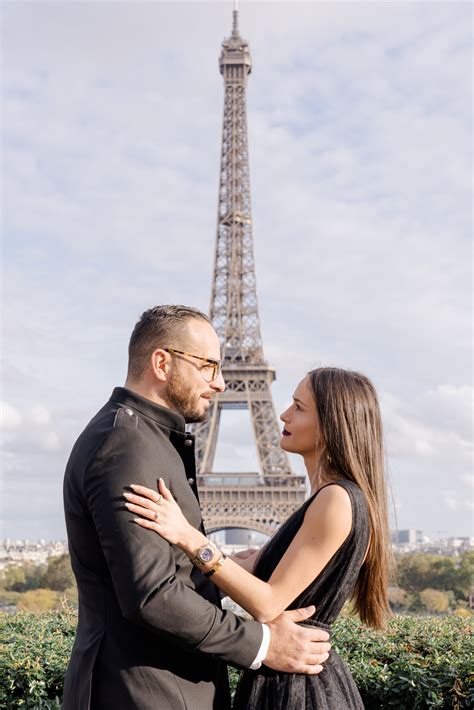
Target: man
{"x":151,"y":632}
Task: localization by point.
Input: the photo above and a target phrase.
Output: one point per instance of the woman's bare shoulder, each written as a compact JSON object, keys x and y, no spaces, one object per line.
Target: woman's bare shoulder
{"x":331,"y":508}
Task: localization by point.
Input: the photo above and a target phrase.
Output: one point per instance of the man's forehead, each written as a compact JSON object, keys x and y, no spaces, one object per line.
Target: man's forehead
{"x":200,"y":333}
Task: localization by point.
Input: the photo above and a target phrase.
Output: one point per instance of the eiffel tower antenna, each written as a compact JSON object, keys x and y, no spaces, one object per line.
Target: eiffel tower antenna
{"x":235,"y":19}
{"x":263,"y":499}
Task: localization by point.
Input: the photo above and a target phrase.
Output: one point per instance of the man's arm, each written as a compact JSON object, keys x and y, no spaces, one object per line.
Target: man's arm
{"x":143,"y":566}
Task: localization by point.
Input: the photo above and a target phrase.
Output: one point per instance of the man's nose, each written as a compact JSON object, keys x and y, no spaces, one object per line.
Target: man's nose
{"x":218,"y":384}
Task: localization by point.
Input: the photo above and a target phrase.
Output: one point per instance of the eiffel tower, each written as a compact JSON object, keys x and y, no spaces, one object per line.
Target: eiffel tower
{"x":260,"y":500}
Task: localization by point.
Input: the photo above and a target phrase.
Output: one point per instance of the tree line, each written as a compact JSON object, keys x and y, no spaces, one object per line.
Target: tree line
{"x":423,"y":584}
{"x":33,"y":587}
{"x":433,"y":583}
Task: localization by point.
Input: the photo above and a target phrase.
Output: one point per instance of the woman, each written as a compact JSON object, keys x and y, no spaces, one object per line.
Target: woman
{"x":334,"y":548}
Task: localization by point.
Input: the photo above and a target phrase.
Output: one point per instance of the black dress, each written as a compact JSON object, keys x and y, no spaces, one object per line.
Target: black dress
{"x":334,"y":687}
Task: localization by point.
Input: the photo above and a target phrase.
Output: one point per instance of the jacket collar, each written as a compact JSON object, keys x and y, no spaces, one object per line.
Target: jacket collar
{"x":164,"y":416}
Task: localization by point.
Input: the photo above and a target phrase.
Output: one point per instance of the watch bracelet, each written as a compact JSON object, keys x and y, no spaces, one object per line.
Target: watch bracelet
{"x":217,"y":565}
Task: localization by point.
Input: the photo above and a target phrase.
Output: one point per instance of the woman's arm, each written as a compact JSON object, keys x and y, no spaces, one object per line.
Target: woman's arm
{"x":327,"y":523}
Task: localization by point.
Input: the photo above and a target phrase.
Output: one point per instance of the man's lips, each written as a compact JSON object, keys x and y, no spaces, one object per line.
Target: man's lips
{"x":285,"y":433}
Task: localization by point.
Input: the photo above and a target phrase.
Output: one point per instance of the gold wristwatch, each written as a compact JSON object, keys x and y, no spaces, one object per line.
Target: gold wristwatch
{"x":205,"y":554}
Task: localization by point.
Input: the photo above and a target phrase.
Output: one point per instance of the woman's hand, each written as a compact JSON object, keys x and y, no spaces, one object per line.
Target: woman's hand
{"x":159,"y":512}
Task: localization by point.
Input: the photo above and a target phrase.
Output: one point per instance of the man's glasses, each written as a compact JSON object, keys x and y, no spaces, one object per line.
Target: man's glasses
{"x":209,"y":372}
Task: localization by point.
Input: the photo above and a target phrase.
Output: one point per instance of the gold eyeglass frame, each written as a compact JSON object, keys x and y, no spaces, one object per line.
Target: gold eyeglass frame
{"x":216,"y":364}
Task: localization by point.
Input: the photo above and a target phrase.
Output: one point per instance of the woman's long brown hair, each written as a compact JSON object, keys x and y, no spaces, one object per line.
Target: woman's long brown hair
{"x":351,"y":426}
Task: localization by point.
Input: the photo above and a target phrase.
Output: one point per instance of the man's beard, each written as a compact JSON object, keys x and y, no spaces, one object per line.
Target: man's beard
{"x":183,"y":400}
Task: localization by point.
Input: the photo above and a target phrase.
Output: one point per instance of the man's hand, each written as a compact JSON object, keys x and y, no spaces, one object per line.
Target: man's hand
{"x":296,"y":649}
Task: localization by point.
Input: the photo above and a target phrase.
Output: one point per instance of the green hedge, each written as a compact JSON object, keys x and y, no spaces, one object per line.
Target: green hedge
{"x":415,"y":663}
{"x":34,"y":651}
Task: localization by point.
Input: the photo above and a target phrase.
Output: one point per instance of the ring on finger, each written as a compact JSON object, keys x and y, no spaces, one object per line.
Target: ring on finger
{"x":156,"y":516}
{"x":159,"y":498}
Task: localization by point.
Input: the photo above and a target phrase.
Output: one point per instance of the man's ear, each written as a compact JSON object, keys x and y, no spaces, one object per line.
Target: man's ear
{"x":160,"y":364}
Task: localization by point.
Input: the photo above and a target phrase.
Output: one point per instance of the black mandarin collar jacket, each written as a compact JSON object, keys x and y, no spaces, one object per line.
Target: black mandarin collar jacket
{"x":151,"y":632}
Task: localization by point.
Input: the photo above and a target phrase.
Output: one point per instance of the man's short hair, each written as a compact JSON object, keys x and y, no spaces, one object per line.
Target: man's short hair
{"x":158,"y":327}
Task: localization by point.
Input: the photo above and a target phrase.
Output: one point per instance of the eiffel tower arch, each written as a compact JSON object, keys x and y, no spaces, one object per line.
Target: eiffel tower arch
{"x":263,"y":499}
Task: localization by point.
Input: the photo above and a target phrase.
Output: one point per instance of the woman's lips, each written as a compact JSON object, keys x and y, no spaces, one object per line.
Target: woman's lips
{"x":285,"y":433}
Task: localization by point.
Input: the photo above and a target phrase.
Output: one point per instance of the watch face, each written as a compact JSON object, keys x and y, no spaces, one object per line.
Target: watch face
{"x":207,"y":554}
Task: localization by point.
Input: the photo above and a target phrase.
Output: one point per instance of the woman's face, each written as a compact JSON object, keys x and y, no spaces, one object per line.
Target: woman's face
{"x":301,"y":433}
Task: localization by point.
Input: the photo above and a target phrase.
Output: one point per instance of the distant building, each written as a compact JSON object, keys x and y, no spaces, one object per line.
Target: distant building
{"x":461,"y":543}
{"x":409,"y":541}
{"x":408,"y":537}
{"x":19,"y":551}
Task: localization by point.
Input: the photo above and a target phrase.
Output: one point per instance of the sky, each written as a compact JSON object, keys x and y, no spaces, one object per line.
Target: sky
{"x":360,"y":122}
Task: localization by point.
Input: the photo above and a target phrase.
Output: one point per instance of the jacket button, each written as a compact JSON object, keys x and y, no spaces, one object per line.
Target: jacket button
{"x":188,"y":442}
{"x":128,"y":411}
{"x":190,"y":481}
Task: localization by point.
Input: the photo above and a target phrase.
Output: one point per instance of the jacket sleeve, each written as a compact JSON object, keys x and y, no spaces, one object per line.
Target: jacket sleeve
{"x":143,"y":566}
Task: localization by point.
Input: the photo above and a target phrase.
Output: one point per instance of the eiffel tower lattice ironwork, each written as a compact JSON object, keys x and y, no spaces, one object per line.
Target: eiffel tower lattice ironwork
{"x":262,"y":500}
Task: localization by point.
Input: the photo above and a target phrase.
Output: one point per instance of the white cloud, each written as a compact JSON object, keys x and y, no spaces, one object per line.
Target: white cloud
{"x":47,"y":441}
{"x":28,"y":430}
{"x":38,"y":416}
{"x":10,"y":418}
{"x":448,"y":406}
{"x":424,"y":426}
{"x":456,"y":503}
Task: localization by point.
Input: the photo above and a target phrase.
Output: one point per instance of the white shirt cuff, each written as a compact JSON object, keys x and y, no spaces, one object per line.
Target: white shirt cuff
{"x":263,"y":650}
